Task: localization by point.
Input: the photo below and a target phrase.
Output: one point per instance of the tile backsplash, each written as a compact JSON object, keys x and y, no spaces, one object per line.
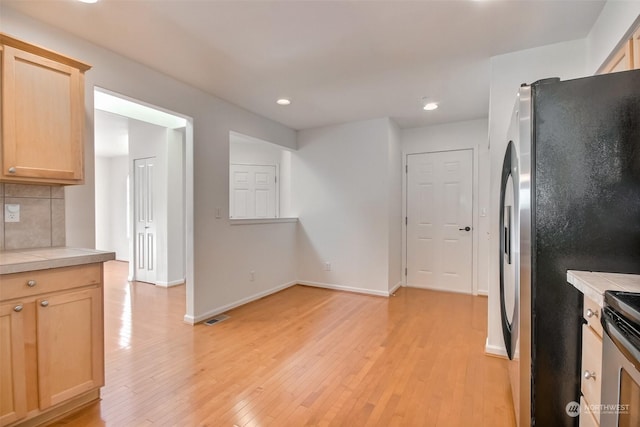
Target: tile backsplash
{"x":41,"y":216}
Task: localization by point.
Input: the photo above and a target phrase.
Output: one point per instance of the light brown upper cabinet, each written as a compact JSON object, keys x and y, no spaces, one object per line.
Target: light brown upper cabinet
{"x":627,"y":57}
{"x":42,"y":115}
{"x":636,"y":49}
{"x":622,"y":60}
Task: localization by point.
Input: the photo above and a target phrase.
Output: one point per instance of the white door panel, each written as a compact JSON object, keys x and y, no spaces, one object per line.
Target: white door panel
{"x":145,"y":226}
{"x":253,"y":191}
{"x":439,"y":205}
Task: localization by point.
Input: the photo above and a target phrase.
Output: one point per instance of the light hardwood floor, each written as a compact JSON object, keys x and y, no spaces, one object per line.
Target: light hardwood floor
{"x":303,"y":356}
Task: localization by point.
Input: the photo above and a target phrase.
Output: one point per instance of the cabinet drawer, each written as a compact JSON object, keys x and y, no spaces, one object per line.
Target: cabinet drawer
{"x":592,"y":313}
{"x":56,"y":279}
{"x":591,"y":366}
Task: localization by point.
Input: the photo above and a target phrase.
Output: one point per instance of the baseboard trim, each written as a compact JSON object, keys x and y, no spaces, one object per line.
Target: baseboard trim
{"x":344,"y":288}
{"x":483,"y":293}
{"x":395,"y":288}
{"x":498,"y":351}
{"x":172,"y":283}
{"x":452,"y":291}
{"x":192,"y":320}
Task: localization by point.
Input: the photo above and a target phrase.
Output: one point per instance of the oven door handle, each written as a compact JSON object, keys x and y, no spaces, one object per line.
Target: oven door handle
{"x":621,"y":339}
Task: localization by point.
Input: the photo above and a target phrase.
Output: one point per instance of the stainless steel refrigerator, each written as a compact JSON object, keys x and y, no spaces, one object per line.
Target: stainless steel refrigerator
{"x":570,"y":200}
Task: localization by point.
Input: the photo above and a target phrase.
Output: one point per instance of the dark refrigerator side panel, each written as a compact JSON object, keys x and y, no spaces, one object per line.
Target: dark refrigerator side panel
{"x":586,"y":217}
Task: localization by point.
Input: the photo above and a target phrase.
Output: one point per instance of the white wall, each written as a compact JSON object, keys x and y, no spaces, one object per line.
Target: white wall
{"x":222,"y":254}
{"x":118,"y":172}
{"x":565,"y":60}
{"x":103,"y":211}
{"x":341,"y":193}
{"x":111,"y":205}
{"x":616,"y":18}
{"x":242,"y":150}
{"x":396,"y":271}
{"x":461,"y":136}
{"x":286,"y":185}
{"x":176,"y":229}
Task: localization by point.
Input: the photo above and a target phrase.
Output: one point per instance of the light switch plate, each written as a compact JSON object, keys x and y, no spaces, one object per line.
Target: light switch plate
{"x":11,"y":213}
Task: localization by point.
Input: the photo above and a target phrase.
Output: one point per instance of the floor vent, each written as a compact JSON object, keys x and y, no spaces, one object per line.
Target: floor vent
{"x":217,"y":319}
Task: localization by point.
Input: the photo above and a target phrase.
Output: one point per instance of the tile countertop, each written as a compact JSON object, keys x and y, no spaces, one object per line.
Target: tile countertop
{"x":21,"y":260}
{"x":593,"y":284}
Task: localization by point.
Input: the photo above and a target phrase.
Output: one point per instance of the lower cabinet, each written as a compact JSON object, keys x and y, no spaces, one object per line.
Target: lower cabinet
{"x":51,"y":344}
{"x":13,"y":396}
{"x":70,"y":345}
{"x":591,"y":381}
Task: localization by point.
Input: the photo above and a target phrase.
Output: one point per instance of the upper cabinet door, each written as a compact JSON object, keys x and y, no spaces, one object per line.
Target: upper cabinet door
{"x":636,"y":49}
{"x":622,"y":60}
{"x":42,"y":118}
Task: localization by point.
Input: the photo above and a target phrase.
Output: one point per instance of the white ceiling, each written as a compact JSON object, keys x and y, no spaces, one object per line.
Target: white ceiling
{"x":338,"y":61}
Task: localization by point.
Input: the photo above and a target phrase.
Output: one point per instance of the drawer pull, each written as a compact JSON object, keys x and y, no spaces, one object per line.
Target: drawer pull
{"x":17,"y":308}
{"x":12,"y":170}
{"x":45,"y":303}
{"x":589,"y":375}
{"x":591,"y":313}
{"x":31,"y":283}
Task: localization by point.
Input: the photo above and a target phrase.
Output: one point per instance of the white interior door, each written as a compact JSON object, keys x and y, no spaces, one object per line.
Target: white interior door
{"x":439,"y":220}
{"x":145,"y":224}
{"x":253,"y":191}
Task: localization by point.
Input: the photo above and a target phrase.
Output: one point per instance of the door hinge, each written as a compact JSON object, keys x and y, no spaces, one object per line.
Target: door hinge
{"x":276,"y":179}
{"x":406,"y":221}
{"x":406,"y":168}
{"x":405,"y":271}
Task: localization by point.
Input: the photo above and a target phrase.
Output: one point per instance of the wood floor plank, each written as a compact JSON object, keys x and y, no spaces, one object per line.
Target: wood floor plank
{"x":303,"y":356}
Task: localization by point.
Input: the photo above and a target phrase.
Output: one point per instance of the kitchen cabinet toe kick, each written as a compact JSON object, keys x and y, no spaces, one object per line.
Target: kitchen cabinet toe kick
{"x":59,"y":411}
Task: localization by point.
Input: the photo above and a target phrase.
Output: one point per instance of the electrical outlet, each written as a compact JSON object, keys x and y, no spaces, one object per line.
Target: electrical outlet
{"x":327,"y":266}
{"x":252,"y":275}
{"x":11,"y":213}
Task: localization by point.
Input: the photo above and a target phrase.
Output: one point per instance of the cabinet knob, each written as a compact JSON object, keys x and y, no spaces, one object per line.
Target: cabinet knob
{"x":17,"y":308}
{"x":44,"y":303}
{"x":12,"y":170}
{"x":31,"y":283}
{"x":589,"y":375}
{"x":590,"y":313}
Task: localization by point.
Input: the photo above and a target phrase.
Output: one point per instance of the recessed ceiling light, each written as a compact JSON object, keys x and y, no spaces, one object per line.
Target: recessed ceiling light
{"x":89,"y":1}
{"x":283,"y":101}
{"x":430,"y":106}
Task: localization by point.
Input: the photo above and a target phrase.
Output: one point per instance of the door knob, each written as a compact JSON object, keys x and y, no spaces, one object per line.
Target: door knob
{"x":17,"y":308}
{"x":589,"y":375}
{"x":44,"y":303}
{"x":467,"y":228}
{"x":12,"y":170}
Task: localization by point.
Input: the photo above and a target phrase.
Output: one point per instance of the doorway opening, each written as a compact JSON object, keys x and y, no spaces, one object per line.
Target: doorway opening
{"x":144,"y":188}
